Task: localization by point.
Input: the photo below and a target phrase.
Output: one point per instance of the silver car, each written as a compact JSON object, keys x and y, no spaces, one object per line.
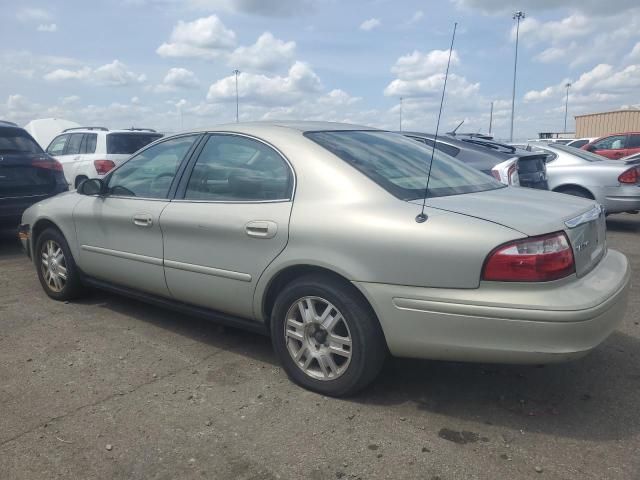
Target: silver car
{"x":314,"y":233}
{"x":615,"y":184}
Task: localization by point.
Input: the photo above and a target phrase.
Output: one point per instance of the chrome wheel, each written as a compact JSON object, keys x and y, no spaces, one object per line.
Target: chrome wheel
{"x":318,"y":338}
{"x":54,"y":266}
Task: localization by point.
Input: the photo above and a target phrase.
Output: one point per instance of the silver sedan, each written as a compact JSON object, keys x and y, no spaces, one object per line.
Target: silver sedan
{"x":320,"y":235}
{"x":615,"y":184}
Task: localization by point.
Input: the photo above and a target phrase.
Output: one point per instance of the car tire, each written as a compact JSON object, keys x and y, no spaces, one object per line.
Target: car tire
{"x":576,"y":192}
{"x":338,"y":360}
{"x":57,"y":270}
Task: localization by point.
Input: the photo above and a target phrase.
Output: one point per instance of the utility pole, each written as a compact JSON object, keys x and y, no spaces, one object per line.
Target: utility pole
{"x":566,"y":106}
{"x":400,"y":113}
{"x":236,"y":73}
{"x":491,"y":117}
{"x":517,"y":16}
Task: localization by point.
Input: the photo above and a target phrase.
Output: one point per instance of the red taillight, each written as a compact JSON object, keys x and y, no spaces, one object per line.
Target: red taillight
{"x":630,"y":176}
{"x":534,"y":259}
{"x":103,"y":166}
{"x":496,"y":175}
{"x":47,"y":163}
{"x":512,"y":174}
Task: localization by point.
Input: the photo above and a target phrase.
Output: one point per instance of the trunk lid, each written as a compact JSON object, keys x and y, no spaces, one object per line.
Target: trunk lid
{"x":532,"y":171}
{"x":534,"y":212}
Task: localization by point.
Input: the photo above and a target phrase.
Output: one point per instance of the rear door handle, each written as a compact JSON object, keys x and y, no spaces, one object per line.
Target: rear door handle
{"x":261,"y":229}
{"x":142,"y":220}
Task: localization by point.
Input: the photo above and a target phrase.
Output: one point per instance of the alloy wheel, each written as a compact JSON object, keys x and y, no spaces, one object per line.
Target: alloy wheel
{"x":54,"y":266}
{"x":318,"y":338}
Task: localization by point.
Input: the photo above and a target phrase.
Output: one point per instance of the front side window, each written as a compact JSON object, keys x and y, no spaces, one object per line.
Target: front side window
{"x":615,"y":142}
{"x":16,"y":140}
{"x":150,"y":173}
{"x":400,"y":165}
{"x":233,"y":168}
{"x":56,"y":147}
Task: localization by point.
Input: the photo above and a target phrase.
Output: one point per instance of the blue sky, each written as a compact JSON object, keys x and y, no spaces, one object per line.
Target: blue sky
{"x":167,"y":64}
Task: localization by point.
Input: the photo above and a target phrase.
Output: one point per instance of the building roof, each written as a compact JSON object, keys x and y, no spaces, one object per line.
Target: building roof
{"x":608,"y":113}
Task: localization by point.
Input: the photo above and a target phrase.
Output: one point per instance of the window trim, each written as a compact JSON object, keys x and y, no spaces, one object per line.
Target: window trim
{"x":179,"y":172}
{"x":186,"y":174}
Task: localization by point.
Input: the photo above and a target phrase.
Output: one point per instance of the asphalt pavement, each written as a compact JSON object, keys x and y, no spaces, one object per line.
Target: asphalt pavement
{"x":111,"y":388}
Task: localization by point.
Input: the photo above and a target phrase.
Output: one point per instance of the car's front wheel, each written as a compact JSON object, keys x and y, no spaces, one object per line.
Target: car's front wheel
{"x":327,"y":336}
{"x":57,"y":270}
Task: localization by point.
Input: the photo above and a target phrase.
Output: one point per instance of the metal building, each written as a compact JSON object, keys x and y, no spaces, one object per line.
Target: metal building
{"x":600,"y":124}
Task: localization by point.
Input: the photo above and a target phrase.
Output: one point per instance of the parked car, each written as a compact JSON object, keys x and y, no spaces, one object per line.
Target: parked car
{"x":580,"y":142}
{"x":312,"y":232}
{"x":27,"y":174}
{"x":564,"y":141}
{"x":615,"y":146}
{"x":615,"y":184}
{"x":505,"y":163}
{"x":92,"y":152}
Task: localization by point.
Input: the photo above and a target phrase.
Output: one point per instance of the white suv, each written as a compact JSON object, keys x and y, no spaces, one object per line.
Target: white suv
{"x":90,"y":152}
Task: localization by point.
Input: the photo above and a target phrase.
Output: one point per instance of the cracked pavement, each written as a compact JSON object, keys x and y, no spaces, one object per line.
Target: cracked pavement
{"x":178,"y":397}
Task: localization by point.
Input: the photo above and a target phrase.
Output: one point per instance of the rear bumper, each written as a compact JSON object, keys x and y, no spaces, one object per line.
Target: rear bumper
{"x":505,"y":323}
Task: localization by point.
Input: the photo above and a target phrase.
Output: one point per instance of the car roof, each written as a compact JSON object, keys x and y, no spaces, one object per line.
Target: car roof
{"x":299,"y":125}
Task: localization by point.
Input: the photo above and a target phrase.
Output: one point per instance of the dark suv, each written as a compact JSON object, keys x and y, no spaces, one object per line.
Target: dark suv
{"x":27,"y":174}
{"x":484,"y":155}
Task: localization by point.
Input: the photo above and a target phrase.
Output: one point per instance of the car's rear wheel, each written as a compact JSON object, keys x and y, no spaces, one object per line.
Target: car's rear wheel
{"x":57,"y":270}
{"x":327,"y":336}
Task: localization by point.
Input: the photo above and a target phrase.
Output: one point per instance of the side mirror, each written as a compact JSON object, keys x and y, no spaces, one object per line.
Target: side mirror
{"x":590,"y":148}
{"x":92,"y":186}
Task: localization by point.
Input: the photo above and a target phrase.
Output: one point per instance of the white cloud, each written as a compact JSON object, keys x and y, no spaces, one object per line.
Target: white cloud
{"x":370,"y":24}
{"x":300,"y":80}
{"x":47,"y":27}
{"x":499,"y":7}
{"x":110,"y":74}
{"x":416,"y":17}
{"x":30,"y":14}
{"x":205,"y":37}
{"x":635,"y":52}
{"x":268,"y":53}
{"x":417,"y":65}
{"x":266,"y":8}
{"x":175,"y":79}
{"x":69,"y":99}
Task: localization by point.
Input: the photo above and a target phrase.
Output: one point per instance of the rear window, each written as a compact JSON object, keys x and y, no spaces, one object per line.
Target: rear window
{"x":128,"y":143}
{"x":16,"y":140}
{"x":400,"y":165}
{"x":583,"y":154}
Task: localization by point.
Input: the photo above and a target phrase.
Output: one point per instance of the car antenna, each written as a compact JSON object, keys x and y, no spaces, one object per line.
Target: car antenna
{"x":422,"y":217}
{"x":453,"y":132}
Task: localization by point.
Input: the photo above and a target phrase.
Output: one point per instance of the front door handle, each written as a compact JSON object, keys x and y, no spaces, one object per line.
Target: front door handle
{"x":142,"y":220}
{"x":261,"y":229}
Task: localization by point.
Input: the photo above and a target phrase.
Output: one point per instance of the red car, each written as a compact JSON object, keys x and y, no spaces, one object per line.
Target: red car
{"x":615,"y":146}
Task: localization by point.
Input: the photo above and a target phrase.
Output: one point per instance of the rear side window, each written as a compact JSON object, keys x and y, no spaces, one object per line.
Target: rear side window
{"x":73,"y":145}
{"x":400,"y":165}
{"x":16,"y":140}
{"x":128,"y":143}
{"x":88,"y":144}
{"x":238,"y":169}
{"x":634,"y":141}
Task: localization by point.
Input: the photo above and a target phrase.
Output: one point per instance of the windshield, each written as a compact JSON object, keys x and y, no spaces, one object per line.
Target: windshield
{"x":400,"y":165}
{"x":128,"y":143}
{"x":16,"y":140}
{"x":583,"y":154}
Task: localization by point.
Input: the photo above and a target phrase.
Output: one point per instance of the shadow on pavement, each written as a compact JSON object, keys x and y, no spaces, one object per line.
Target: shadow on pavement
{"x":624,"y":222}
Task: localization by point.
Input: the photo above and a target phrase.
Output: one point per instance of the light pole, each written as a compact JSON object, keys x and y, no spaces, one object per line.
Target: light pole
{"x":236,"y":73}
{"x":566,"y":106}
{"x":491,"y":117}
{"x":400,"y":113}
{"x":517,"y":16}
